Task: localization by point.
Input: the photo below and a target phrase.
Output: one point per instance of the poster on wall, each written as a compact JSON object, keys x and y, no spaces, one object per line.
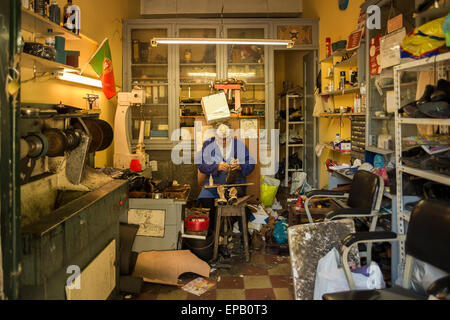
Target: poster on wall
{"x":354,"y":40}
{"x":299,"y":34}
{"x":390,"y":48}
{"x":249,"y":128}
{"x":150,"y":222}
{"x":374,"y":56}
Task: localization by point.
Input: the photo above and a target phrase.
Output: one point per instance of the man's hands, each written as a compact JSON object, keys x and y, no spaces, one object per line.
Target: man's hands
{"x":223,"y":166}
{"x":234,"y":166}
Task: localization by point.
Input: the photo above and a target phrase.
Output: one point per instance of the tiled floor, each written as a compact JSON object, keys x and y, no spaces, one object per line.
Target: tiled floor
{"x":265,"y":277}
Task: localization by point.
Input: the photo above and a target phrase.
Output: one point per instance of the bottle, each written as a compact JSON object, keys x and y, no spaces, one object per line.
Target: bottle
{"x":337,"y":141}
{"x":50,"y":41}
{"x":26,"y":4}
{"x":39,"y":7}
{"x":66,"y":8}
{"x":55,"y":13}
{"x":47,"y":8}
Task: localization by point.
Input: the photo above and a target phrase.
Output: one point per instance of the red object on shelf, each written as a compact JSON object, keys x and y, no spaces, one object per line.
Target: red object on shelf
{"x":197,"y":223}
{"x":328,"y":45}
{"x":135,"y":165}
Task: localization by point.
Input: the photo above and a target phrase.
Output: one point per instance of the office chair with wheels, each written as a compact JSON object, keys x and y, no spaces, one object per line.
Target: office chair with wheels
{"x":427,"y":239}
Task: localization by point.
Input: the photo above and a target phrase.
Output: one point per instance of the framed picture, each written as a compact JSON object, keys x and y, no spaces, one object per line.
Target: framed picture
{"x":151,"y":222}
{"x":299,"y":34}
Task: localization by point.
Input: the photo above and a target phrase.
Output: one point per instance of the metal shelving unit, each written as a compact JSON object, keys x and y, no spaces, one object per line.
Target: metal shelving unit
{"x":289,"y":146}
{"x":441,"y":65}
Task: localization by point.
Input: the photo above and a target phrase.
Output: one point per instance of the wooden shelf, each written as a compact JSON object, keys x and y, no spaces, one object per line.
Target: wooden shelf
{"x":37,"y":24}
{"x":42,"y":65}
{"x":342,"y":92}
{"x":339,"y":151}
{"x":352,"y":62}
{"x":337,"y":115}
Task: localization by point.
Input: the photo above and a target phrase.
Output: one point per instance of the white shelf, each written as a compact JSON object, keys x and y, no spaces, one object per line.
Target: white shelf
{"x":345,"y":91}
{"x":41,"y":64}
{"x":37,"y":24}
{"x":293,"y":145}
{"x":424,"y":64}
{"x":427,"y":174}
{"x":379,"y":151}
{"x":432,"y":121}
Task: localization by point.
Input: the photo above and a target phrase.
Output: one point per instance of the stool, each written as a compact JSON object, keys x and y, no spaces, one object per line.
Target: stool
{"x":231,"y":211}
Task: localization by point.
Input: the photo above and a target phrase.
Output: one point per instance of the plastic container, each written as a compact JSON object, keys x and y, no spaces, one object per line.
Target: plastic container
{"x":203,"y":249}
{"x":197,"y":223}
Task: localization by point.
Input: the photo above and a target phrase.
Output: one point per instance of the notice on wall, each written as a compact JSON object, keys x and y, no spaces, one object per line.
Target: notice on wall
{"x":249,"y":128}
{"x":390,"y":48}
{"x":375,"y":58}
{"x":395,"y":23}
{"x":151,"y":222}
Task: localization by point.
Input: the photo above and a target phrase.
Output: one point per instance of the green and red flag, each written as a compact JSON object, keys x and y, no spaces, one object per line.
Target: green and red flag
{"x":101,"y":62}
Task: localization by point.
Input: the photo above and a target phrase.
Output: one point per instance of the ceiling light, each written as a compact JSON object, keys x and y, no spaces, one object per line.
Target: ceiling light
{"x":262,"y":42}
{"x":80,"y":79}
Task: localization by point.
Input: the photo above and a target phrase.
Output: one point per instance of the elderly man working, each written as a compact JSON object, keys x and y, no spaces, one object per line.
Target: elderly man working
{"x":228,"y":161}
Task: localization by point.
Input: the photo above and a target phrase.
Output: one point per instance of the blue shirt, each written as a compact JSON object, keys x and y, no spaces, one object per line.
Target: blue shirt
{"x":209,"y":159}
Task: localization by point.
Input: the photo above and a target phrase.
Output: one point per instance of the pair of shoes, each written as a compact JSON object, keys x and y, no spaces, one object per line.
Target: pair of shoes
{"x":433,"y":104}
{"x":232,"y":196}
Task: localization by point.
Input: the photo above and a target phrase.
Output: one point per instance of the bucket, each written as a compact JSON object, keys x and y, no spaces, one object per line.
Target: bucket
{"x":203,"y":249}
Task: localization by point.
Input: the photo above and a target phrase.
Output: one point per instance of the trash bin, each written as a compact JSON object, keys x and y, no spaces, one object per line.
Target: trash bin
{"x":203,"y":249}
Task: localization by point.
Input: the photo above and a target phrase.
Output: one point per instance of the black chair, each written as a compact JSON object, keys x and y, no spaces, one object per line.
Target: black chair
{"x":427,"y":239}
{"x":363,"y":201}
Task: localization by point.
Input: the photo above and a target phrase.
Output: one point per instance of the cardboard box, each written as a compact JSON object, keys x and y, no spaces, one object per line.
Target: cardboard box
{"x":215,"y":107}
{"x":346,"y":147}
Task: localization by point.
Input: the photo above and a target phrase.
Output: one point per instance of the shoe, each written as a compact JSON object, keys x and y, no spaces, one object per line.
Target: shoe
{"x":232,"y":193}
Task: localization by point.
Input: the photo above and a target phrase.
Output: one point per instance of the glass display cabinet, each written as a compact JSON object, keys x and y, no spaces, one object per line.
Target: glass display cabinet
{"x":197,"y":72}
{"x":149,"y":69}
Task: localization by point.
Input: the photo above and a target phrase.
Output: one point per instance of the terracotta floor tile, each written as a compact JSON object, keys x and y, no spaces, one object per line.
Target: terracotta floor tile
{"x":209,"y":295}
{"x":281,"y":281}
{"x":250,"y":270}
{"x":283,"y":294}
{"x":147,"y":296}
{"x":230,"y":294}
{"x":257,"y":258}
{"x":259,"y":294}
{"x":176,"y":294}
{"x":257,"y":282}
{"x":228,"y":282}
{"x":281,"y":270}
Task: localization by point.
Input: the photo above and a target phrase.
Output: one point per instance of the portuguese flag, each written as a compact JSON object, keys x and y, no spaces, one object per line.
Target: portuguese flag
{"x":101,"y":61}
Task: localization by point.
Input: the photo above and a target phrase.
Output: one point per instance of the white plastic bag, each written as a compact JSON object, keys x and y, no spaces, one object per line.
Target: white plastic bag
{"x":330,"y":278}
{"x":424,"y":275}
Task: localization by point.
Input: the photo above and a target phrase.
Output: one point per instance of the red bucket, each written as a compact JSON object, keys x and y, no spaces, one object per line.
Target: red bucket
{"x":197,"y":223}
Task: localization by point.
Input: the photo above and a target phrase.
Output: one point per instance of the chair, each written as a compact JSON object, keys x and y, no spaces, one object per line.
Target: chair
{"x":427,"y":239}
{"x":364,"y":201}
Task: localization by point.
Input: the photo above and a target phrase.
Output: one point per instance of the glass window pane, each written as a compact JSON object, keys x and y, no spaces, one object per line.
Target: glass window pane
{"x":149,"y":69}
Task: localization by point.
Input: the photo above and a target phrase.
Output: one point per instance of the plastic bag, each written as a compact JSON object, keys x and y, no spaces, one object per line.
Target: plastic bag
{"x":280,"y":232}
{"x":330,"y":278}
{"x":269,"y":189}
{"x":424,"y":275}
{"x":425,"y":41}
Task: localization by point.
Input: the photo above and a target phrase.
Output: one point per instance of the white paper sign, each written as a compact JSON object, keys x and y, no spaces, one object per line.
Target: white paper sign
{"x":151,"y":222}
{"x":390,"y":48}
{"x":390,"y":101}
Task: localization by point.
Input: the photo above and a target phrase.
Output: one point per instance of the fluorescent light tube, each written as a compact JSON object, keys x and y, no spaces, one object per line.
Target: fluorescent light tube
{"x":80,"y":79}
{"x":262,"y":42}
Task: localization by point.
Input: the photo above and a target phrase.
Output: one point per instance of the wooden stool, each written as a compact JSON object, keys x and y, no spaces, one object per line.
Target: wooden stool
{"x":231,"y":211}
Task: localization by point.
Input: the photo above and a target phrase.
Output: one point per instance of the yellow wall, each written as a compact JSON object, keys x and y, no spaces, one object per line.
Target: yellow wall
{"x":99,"y":19}
{"x":337,"y":25}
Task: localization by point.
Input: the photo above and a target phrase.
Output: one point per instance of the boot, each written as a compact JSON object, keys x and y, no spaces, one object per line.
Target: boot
{"x":222,"y":200}
{"x":232,"y":196}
